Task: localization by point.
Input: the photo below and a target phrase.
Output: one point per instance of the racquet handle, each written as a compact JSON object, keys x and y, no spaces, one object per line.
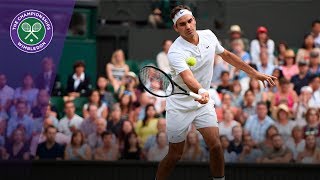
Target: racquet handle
{"x":194,"y":95}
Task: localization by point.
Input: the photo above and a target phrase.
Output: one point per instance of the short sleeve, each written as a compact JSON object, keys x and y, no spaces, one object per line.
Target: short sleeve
{"x":177,"y":62}
{"x":218,"y":47}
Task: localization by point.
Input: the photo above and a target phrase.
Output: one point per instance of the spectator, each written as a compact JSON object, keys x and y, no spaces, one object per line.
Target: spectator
{"x":135,"y":112}
{"x":249,"y":154}
{"x":6,"y":93}
{"x":257,"y":87}
{"x":248,"y":106}
{"x":283,"y":123}
{"x":228,"y":122}
{"x":265,"y":66}
{"x":21,"y":120}
{"x":129,"y":86}
{"x":237,"y":47}
{"x":229,"y":156}
{"x":314,"y":67}
{"x":158,"y":102}
{"x":79,"y":83}
{"x":192,"y":148}
{"x":27,"y":91}
{"x":108,"y":152}
{"x":126,"y":101}
{"x":314,"y":83}
{"x":105,"y":95}
{"x":316,"y":32}
{"x":77,"y":149}
{"x":277,"y":72}
{"x":17,"y":148}
{"x":126,"y":128}
{"x":162,"y":58}
{"x":261,"y":43}
{"x":115,"y":121}
{"x":50,"y":149}
{"x":310,"y":154}
{"x":88,"y":125}
{"x":301,"y":79}
{"x":45,"y":114}
{"x":225,"y":82}
{"x":132,"y":150}
{"x":296,"y":143}
{"x":117,"y":69}
{"x":257,"y":124}
{"x":285,"y":95}
{"x":94,"y":140}
{"x":155,"y":19}
{"x":302,"y":105}
{"x":236,"y":144}
{"x":144,"y":101}
{"x":160,"y":150}
{"x":279,"y":154}
{"x":289,"y":68}
{"x":313,"y":125}
{"x":226,"y":104}
{"x":94,"y":99}
{"x":266,"y":145}
{"x":71,"y":121}
{"x":235,"y":32}
{"x":152,"y":140}
{"x":282,"y":47}
{"x":236,"y":93}
{"x":42,"y":100}
{"x":308,"y":45}
{"x":148,"y":126}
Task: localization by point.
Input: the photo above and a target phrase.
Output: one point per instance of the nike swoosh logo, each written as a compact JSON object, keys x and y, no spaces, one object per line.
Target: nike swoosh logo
{"x":181,"y":12}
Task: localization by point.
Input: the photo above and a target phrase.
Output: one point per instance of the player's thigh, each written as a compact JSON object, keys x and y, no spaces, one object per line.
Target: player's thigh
{"x":177,"y":125}
{"x":176,"y":149}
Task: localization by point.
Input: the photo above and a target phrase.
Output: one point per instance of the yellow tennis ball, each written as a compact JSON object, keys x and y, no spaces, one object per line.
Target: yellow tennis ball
{"x":191,"y":61}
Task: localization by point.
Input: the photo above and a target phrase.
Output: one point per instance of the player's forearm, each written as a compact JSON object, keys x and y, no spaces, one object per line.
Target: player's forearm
{"x":190,"y":81}
{"x":237,"y":62}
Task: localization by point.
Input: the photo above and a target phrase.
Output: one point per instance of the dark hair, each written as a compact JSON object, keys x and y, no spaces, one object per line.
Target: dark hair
{"x":127,"y":144}
{"x":144,"y":121}
{"x":312,"y":78}
{"x":177,"y":9}
{"x":74,"y":135}
{"x":262,"y":103}
{"x":280,"y":72}
{"x":50,"y":126}
{"x":247,"y":91}
{"x":271,"y":127}
{"x":283,"y":81}
{"x":106,"y":133}
{"x":304,"y":38}
{"x":79,"y":64}
{"x":164,"y":41}
{"x":317,"y":21}
{"x":91,"y":93}
{"x":68,"y":102}
{"x":122,"y":135}
{"x":223,"y":73}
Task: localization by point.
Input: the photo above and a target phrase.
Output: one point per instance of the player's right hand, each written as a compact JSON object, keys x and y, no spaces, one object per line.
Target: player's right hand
{"x":204,"y":98}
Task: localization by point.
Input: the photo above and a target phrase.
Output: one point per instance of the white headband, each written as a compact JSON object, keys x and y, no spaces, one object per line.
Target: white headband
{"x":179,"y":14}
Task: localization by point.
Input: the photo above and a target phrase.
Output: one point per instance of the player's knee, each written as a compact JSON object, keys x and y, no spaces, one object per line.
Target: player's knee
{"x":215,"y":146}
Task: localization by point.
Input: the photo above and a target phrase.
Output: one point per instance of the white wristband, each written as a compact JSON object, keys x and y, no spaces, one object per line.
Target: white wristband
{"x":201,"y":90}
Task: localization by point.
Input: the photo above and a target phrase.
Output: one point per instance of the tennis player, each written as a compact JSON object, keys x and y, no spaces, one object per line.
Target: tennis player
{"x":183,"y":110}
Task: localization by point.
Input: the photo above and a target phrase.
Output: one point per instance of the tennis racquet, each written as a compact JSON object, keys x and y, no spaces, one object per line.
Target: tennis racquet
{"x":160,"y":84}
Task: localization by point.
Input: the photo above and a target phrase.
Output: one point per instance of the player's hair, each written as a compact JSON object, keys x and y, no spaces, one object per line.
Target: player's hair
{"x":177,"y":9}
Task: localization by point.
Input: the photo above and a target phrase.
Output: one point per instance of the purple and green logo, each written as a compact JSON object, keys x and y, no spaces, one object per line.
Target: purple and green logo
{"x":31,"y":31}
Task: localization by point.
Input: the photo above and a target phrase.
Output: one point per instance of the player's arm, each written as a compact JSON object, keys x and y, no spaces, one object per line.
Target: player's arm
{"x":238,"y":63}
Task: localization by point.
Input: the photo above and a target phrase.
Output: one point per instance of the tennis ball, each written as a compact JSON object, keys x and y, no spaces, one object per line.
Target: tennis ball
{"x":191,"y":61}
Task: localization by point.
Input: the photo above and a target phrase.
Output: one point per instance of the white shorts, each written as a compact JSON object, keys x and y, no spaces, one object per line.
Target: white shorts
{"x":178,"y":122}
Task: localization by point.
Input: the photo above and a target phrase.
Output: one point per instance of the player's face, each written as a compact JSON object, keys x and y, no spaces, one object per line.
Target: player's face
{"x":186,"y":26}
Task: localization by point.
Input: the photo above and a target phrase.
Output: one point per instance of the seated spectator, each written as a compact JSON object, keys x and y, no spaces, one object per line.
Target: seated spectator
{"x":307,"y":46}
{"x":71,"y":121}
{"x":296,"y":143}
{"x":126,"y":101}
{"x":256,"y":87}
{"x":158,"y":102}
{"x":236,"y":93}
{"x":283,"y":122}
{"x":285,"y":95}
{"x":132,"y":150}
{"x":22,"y":119}
{"x":236,"y":144}
{"x":279,"y":154}
{"x":277,"y":72}
{"x":314,"y":66}
{"x":316,"y":32}
{"x":311,"y":153}
{"x":105,"y":95}
{"x":6,"y":93}
{"x":266,"y":145}
{"x":313,"y":125}
{"x":42,"y":100}
{"x":94,"y":140}
{"x":162,"y":58}
{"x":50,"y":149}
{"x":192,"y":149}
{"x":257,"y":124}
{"x":225,"y":82}
{"x":26,"y":92}
{"x":129,"y":86}
{"x":248,"y":106}
{"x":94,"y":99}
{"x":88,"y":125}
{"x":79,"y":83}
{"x":152,"y":140}
{"x":237,"y":47}
{"x":126,"y":129}
{"x":17,"y":148}
{"x":262,"y":42}
{"x":229,"y":156}
{"x":77,"y":149}
{"x":160,"y":150}
{"x":135,"y":112}
{"x":235,"y":32}
{"x":300,"y":108}
{"x":155,"y":19}
{"x":265,"y":66}
{"x":281,"y":51}
{"x":107,"y":152}
{"x":226,"y":125}
{"x":226,"y":104}
{"x":45,"y":114}
{"x":289,"y":68}
{"x":148,"y":126}
{"x":117,"y":69}
{"x":115,"y":121}
{"x":315,"y":85}
{"x":249,"y":154}
{"x":301,"y":79}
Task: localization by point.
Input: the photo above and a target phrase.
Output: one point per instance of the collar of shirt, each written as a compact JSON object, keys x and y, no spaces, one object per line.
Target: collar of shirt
{"x":75,"y":77}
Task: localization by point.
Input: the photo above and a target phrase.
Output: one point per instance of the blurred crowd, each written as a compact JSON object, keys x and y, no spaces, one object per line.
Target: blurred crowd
{"x":119,"y":120}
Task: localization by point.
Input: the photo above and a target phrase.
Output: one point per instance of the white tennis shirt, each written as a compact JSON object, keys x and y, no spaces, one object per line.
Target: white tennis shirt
{"x":204,"y":53}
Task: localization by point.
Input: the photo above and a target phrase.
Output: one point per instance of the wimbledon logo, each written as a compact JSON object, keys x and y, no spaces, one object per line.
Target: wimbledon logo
{"x":31,"y":31}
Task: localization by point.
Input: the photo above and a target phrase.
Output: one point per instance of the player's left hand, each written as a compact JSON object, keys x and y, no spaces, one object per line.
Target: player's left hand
{"x":264,"y":77}
{"x":204,"y":98}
